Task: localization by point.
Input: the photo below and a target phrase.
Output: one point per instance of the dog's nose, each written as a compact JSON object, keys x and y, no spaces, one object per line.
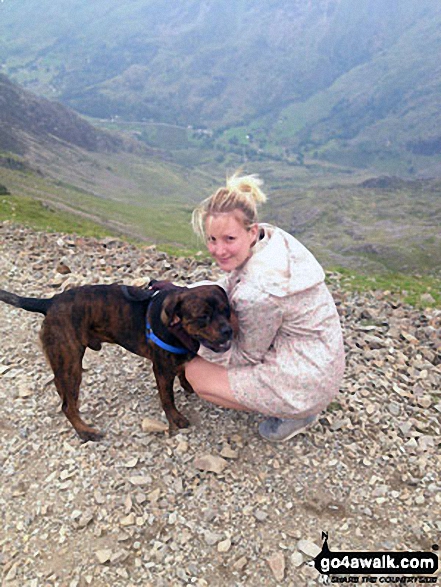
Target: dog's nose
{"x":226,"y":331}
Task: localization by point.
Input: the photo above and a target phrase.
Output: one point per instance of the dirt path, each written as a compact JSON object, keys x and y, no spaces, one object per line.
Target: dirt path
{"x":139,"y":508}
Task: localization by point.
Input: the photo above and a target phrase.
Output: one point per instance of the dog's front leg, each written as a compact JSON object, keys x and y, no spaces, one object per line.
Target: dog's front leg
{"x":183,"y":380}
{"x":164,"y":381}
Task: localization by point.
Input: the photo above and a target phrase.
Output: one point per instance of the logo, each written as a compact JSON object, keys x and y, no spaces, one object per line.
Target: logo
{"x":359,"y":563}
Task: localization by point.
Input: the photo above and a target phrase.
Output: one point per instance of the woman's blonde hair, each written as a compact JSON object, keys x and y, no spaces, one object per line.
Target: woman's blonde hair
{"x":241,"y":193}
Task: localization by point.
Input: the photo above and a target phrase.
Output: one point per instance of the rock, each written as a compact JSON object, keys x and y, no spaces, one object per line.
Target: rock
{"x":141,"y":281}
{"x":412,"y":443}
{"x":154,"y":495}
{"x":12,"y":573}
{"x":103,"y":555}
{"x":25,"y":392}
{"x":427,"y":298}
{"x":85,"y":520}
{"x":394,"y":409}
{"x":128,"y":504}
{"x":151,"y":425}
{"x":139,"y":480}
{"x":182,"y":447}
{"x":99,"y":497}
{"x":405,"y":428}
{"x":210,"y":463}
{"x":228,"y":453}
{"x":212,"y":538}
{"x":297,"y":559}
{"x":260,"y":515}
{"x":374,"y":342}
{"x":224,"y":545}
{"x":128,"y":520}
{"x":425,"y":401}
{"x":240,"y":564}
{"x":309,"y":548}
{"x":276,"y":563}
{"x":370,"y":409}
{"x":340,"y":423}
{"x":426,"y":443}
{"x":409,"y":338}
{"x":63,"y":269}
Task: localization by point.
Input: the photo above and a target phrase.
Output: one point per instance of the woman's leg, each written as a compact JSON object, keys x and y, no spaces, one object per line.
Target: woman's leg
{"x":210,"y":382}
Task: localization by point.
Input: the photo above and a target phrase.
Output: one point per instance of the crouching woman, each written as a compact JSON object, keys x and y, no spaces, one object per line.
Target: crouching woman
{"x":287,"y":361}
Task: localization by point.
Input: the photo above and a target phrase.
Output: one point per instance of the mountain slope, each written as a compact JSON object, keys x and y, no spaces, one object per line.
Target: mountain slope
{"x":48,"y":152}
{"x":378,"y":107}
{"x":380,"y":222}
{"x":332,"y":77}
{"x":111,"y":180}
{"x":24,"y":116}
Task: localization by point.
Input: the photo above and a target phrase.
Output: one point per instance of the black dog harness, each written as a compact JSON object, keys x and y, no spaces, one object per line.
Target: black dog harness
{"x":150,"y":335}
{"x":155,"y":331}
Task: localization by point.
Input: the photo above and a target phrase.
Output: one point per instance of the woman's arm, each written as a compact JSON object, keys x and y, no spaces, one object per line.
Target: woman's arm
{"x":259,"y":322}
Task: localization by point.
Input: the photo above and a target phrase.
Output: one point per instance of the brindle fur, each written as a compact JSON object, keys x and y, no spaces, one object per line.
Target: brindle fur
{"x":87,"y":316}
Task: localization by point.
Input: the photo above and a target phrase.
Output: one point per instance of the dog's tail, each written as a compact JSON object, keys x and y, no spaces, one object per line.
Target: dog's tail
{"x":29,"y":304}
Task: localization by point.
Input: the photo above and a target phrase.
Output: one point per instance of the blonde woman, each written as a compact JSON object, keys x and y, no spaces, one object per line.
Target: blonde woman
{"x":287,"y":362}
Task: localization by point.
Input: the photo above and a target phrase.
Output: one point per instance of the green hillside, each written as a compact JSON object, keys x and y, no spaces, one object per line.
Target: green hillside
{"x":356,"y":83}
{"x":70,"y":168}
{"x":379,"y":223}
{"x":51,"y":154}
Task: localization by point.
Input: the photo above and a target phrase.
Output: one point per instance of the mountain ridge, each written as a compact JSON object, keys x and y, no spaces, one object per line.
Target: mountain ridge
{"x":288,"y":67}
{"x":24,"y":115}
{"x":368,"y":222}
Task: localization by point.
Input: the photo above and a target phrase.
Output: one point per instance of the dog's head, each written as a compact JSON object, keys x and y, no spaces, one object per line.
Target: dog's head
{"x":201,"y":313}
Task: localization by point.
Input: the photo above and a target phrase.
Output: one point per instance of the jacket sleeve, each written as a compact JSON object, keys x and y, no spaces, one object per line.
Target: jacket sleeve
{"x":260,"y":319}
{"x":259,"y":322}
{"x":221,"y":282}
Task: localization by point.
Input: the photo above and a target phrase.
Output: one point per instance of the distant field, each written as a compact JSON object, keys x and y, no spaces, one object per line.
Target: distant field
{"x":130,"y":196}
{"x":347,"y":219}
{"x":44,"y":217}
{"x":35,"y":214}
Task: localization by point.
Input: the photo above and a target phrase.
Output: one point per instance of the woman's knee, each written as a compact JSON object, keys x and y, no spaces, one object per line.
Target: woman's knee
{"x":210,"y":382}
{"x":191,"y":372}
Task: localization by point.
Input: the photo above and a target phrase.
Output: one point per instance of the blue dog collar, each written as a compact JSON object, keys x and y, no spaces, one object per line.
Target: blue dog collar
{"x":150,"y":335}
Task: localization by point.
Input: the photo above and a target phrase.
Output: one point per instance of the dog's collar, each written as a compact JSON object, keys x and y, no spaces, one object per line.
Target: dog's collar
{"x":150,"y":335}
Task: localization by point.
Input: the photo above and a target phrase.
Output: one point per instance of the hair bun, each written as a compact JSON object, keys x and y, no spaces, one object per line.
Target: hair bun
{"x":247,"y":184}
{"x":242,"y":194}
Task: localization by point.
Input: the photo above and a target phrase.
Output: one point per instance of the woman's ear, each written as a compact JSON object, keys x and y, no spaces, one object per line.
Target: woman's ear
{"x":253,"y":231}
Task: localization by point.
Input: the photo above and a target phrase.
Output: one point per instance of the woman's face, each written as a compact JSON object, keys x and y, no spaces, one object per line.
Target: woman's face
{"x":228,"y":241}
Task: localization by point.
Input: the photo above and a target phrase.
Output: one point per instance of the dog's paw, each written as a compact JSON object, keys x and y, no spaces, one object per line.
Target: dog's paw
{"x":91,"y":435}
{"x":179,"y":421}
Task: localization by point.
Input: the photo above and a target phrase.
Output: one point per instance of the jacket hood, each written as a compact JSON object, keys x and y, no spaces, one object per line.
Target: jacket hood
{"x":281,"y":265}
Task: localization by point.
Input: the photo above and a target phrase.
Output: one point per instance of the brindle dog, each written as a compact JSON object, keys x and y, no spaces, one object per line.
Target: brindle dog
{"x":178,"y":320}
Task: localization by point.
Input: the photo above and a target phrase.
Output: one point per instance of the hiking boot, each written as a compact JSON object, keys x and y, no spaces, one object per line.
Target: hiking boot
{"x":282,"y":429}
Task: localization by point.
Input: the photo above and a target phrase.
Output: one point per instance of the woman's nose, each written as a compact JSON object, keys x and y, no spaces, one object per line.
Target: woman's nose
{"x":216,"y":249}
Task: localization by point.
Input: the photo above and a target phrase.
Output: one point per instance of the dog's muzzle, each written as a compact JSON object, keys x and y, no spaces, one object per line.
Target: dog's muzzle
{"x":223,"y":343}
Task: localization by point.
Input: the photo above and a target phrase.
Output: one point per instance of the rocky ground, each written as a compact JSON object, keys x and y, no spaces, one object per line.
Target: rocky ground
{"x":213,"y":505}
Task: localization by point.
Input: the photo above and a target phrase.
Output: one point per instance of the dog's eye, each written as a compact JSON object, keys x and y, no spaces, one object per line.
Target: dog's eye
{"x":203,"y":321}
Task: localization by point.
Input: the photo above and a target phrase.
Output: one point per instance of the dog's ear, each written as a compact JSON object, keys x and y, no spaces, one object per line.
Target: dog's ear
{"x":171,"y":311}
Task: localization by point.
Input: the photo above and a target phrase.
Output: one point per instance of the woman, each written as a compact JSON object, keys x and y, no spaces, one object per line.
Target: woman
{"x":288,"y":360}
